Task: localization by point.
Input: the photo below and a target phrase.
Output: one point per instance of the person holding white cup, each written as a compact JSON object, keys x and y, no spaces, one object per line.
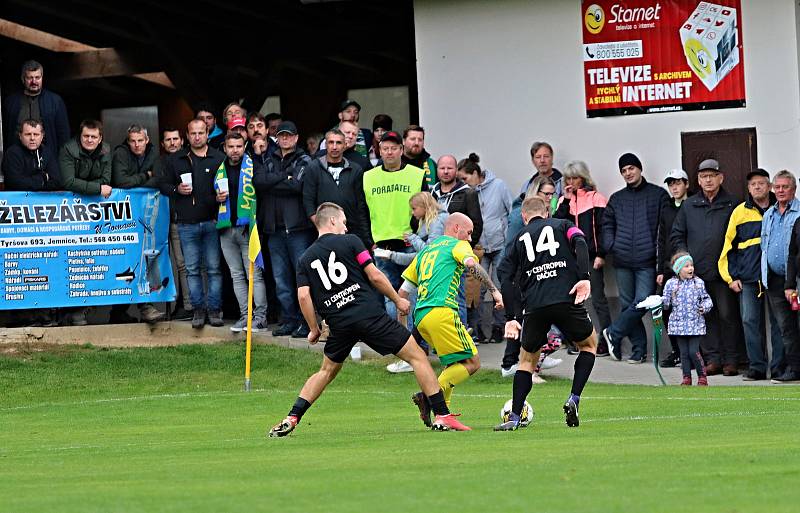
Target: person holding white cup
{"x":191,"y":172}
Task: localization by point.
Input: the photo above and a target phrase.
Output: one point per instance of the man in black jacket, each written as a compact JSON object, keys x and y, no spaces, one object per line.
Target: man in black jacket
{"x":283,"y":222}
{"x":36,"y":102}
{"x":133,"y":165}
{"x":332,"y":178}
{"x":29,"y":166}
{"x":700,"y":229}
{"x":630,"y":231}
{"x":454,"y":195}
{"x":190,"y":173}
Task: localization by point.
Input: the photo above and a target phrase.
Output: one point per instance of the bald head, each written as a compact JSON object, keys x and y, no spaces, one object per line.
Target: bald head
{"x":459,"y":226}
{"x":446,"y":169}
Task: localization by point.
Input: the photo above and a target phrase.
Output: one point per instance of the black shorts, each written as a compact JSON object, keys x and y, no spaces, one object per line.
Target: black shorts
{"x":573,"y":321}
{"x":382,"y":334}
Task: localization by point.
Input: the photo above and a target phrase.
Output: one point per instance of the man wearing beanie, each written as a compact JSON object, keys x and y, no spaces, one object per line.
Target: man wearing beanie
{"x":700,"y":228}
{"x":630,"y":233}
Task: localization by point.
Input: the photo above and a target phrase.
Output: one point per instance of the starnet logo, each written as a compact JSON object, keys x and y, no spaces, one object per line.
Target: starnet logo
{"x":621,"y":14}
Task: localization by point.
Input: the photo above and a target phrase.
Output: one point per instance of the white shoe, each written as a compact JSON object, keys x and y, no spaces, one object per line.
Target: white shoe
{"x":549,"y":363}
{"x":398,"y":367}
{"x":509,"y":373}
{"x":537,"y":380}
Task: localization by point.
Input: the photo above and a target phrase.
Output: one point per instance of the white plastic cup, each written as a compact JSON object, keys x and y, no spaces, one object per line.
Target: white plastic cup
{"x":222,"y":184}
{"x":355,"y":353}
{"x":186,"y":178}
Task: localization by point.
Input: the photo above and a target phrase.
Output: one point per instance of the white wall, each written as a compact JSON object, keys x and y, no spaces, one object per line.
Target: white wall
{"x":495,"y":76}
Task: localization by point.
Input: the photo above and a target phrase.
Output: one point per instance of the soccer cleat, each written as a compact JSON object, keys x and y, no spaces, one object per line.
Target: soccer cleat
{"x":449,"y":422}
{"x":284,"y":427}
{"x":613,"y":349}
{"x":424,"y":408}
{"x":510,"y":425}
{"x":571,"y":410}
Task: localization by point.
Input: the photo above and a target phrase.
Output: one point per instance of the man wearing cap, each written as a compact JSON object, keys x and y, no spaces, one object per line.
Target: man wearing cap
{"x":283,"y":222}
{"x":381,"y":124}
{"x":740,"y":267}
{"x":414,"y":153}
{"x":778,"y":274}
{"x":700,"y":229}
{"x":387,"y":190}
{"x":332,"y":178}
{"x":678,"y":184}
{"x":629,"y":233}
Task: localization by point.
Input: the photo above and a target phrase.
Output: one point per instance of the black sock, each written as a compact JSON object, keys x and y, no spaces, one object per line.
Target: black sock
{"x":522,"y":387}
{"x":583,"y":367}
{"x":437,"y":403}
{"x":299,"y":408}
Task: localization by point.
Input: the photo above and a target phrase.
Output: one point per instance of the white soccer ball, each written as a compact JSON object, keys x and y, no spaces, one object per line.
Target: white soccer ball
{"x":524,"y":419}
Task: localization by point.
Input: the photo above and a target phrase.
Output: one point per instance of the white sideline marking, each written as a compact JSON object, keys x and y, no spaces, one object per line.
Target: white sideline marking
{"x":220,"y":393}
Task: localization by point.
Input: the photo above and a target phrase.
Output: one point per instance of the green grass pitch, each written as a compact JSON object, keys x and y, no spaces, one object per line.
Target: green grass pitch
{"x":169,"y":429}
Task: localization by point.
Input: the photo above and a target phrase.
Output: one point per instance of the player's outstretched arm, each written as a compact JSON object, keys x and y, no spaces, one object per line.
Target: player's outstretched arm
{"x":582,"y":288}
{"x":381,"y":283}
{"x":480,"y":273}
{"x":307,"y":307}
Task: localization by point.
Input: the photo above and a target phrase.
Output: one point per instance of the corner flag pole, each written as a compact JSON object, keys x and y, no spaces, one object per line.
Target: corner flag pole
{"x":251,"y":277}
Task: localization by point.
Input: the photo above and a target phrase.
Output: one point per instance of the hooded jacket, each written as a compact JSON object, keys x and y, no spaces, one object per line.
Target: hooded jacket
{"x":461,"y":198}
{"x":31,"y":170}
{"x":495,"y":202}
{"x":279,"y":184}
{"x":700,"y":229}
{"x":630,"y":225}
{"x":84,"y":172}
{"x":127,"y":172}
{"x":586,"y":210}
{"x":741,"y":250}
{"x":319,"y":187}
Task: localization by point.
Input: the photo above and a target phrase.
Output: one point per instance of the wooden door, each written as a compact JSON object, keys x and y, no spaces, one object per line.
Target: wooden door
{"x":735,"y":149}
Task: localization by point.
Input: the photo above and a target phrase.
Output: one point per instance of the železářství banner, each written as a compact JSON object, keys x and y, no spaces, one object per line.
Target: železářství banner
{"x":648,"y":56}
{"x":62,"y":249}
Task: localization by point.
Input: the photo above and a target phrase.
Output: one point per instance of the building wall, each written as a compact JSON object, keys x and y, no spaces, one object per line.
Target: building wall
{"x":495,"y":76}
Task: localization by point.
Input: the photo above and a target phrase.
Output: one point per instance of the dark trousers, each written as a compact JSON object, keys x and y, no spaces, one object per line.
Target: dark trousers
{"x":723,"y":324}
{"x":690,"y":354}
{"x":787,"y":318}
{"x":598,"y":299}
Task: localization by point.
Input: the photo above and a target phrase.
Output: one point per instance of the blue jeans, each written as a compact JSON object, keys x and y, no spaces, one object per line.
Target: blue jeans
{"x":634,"y":285}
{"x":200,"y":246}
{"x":285,"y":250}
{"x":751,"y":308}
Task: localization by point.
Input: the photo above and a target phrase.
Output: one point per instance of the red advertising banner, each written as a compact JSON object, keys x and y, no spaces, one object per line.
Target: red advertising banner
{"x":648,"y":56}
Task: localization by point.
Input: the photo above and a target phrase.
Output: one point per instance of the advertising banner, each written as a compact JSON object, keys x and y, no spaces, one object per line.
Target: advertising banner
{"x":650,"y":56}
{"x":62,"y":249}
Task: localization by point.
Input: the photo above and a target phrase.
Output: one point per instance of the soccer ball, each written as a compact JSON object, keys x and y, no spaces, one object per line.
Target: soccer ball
{"x":524,"y":419}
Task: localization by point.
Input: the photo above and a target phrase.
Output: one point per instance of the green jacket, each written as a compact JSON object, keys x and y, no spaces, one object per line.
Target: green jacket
{"x":84,"y":172}
{"x":126,"y":172}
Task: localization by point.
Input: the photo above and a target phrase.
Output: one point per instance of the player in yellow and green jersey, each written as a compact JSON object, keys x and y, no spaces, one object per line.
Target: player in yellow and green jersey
{"x":436,"y":273}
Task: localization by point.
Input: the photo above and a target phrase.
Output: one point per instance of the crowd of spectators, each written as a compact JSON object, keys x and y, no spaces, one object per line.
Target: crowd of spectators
{"x":396,"y":197}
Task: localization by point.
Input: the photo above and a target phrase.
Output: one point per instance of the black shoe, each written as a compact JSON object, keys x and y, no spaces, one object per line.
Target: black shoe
{"x":571,"y":412}
{"x":754,"y":375}
{"x":478,"y":337}
{"x":497,"y":335}
{"x":672,"y":360}
{"x":790,"y":376}
{"x":215,"y":318}
{"x":602,"y":346}
{"x":180,"y":314}
{"x":284,"y":330}
{"x":302,"y":331}
{"x":198,"y":318}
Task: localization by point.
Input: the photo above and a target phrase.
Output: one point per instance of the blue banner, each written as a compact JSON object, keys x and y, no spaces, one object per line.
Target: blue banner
{"x":60,"y":249}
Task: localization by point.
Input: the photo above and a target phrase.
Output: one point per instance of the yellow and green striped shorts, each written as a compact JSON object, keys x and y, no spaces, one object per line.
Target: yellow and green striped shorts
{"x":441,"y":327}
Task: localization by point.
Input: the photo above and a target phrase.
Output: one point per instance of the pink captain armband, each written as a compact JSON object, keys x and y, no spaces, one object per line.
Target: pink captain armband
{"x":363,"y":257}
{"x":573,"y":232}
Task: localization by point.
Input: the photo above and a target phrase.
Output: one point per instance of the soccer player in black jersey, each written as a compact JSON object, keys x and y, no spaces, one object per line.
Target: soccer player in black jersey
{"x":335,"y":277}
{"x":545,"y":281}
